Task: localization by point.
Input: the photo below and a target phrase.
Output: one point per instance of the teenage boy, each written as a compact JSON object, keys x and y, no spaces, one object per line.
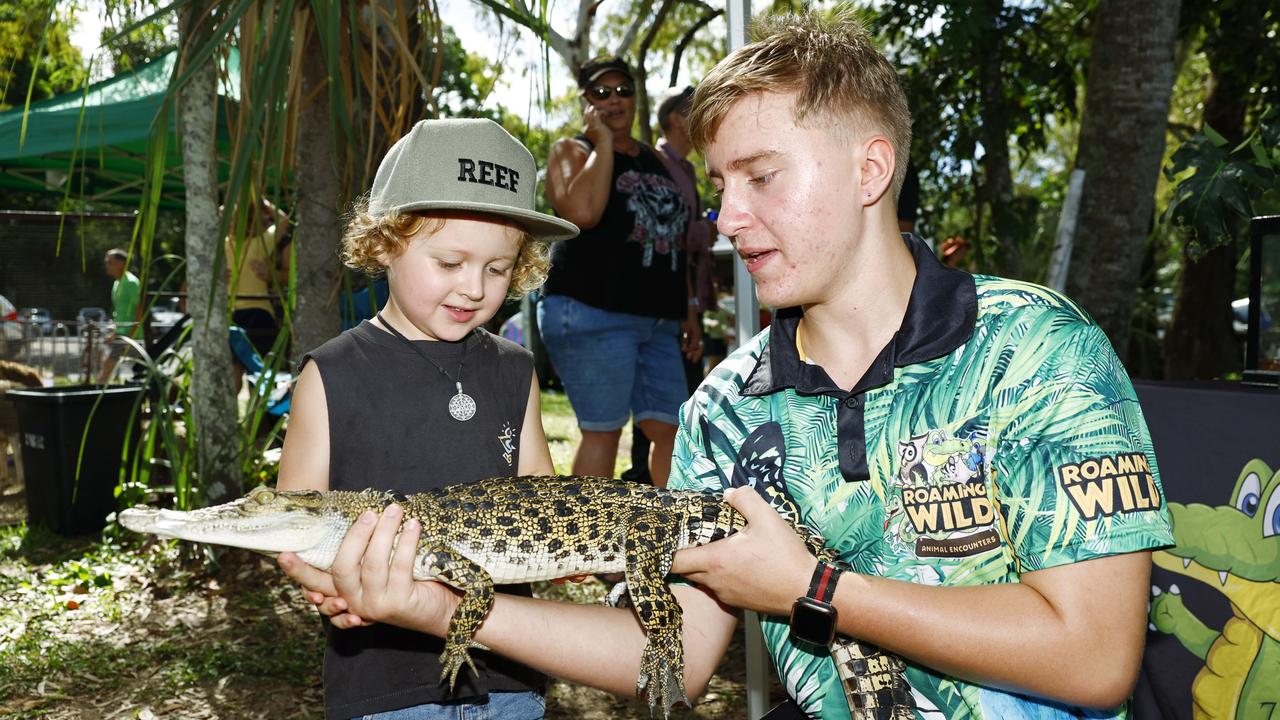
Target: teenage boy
{"x":971,"y":446}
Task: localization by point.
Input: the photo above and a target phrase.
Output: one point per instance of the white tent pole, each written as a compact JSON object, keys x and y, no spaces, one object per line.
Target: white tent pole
{"x":1060,"y":262}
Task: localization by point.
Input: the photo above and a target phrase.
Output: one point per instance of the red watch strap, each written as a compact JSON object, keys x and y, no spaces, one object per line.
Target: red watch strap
{"x":822,"y":586}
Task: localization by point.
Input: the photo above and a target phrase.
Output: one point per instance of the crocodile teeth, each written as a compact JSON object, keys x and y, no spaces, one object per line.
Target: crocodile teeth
{"x":1186,"y":563}
{"x":1222,"y":576}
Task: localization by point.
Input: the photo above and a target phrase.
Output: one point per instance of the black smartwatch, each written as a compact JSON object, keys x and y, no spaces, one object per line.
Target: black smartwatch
{"x":813,"y":618}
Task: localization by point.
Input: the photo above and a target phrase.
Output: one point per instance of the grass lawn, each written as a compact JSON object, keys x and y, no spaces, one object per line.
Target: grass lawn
{"x":562,"y":434}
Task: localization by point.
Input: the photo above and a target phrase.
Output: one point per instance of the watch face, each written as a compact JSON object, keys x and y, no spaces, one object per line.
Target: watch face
{"x":813,"y":621}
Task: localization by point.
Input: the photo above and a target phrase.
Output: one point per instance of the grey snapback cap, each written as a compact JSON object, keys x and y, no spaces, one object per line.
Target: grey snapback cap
{"x":469,"y":165}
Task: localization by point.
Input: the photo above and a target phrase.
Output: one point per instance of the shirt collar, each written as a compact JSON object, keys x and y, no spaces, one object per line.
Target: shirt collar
{"x":940,"y":317}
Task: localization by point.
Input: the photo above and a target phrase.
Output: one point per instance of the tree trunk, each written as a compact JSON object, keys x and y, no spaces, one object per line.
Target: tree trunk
{"x":1122,"y":139}
{"x":996,"y":188}
{"x":644,"y":102}
{"x":1200,"y":342}
{"x":213,"y":415}
{"x":319,"y":233}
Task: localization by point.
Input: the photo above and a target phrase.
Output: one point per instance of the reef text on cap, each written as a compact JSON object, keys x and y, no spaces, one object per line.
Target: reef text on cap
{"x":468,"y":165}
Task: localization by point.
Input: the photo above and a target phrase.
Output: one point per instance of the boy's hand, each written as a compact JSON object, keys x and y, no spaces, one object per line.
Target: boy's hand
{"x":369,"y":582}
{"x":318,"y":589}
{"x":763,"y":567}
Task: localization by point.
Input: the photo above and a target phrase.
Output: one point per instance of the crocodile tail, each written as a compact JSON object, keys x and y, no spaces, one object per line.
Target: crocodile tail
{"x":875,"y":681}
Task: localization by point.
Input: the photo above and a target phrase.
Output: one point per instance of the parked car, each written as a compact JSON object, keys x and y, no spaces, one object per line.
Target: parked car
{"x":8,"y":319}
{"x":164,"y":315}
{"x":39,"y":319}
{"x":91,"y":315}
{"x":10,"y":328}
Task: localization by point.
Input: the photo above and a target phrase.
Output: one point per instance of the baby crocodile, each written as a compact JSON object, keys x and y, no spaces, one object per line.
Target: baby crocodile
{"x":523,"y":529}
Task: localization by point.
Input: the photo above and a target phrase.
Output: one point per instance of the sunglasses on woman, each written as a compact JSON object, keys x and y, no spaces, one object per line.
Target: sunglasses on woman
{"x":602,"y":92}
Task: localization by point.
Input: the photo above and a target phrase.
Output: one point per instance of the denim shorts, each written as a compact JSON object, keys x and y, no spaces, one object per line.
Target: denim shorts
{"x":614,"y":366}
{"x":527,"y":705}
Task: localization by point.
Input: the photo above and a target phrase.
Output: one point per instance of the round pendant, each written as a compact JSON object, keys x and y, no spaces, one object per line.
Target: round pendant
{"x":462,"y":407}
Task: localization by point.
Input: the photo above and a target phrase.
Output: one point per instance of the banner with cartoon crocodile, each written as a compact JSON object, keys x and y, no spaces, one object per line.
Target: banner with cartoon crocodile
{"x":1213,"y":642}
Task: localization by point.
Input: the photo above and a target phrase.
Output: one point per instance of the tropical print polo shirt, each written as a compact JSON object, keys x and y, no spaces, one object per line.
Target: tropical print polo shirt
{"x":996,"y":434}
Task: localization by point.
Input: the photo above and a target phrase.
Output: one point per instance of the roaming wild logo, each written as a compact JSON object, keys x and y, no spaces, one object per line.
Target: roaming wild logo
{"x":1104,"y":486}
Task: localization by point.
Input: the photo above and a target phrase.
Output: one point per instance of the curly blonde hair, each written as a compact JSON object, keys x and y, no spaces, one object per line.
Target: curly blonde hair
{"x":369,"y":237}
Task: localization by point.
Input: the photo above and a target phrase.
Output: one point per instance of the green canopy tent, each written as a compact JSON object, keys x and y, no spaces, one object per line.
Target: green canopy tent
{"x":96,"y":138}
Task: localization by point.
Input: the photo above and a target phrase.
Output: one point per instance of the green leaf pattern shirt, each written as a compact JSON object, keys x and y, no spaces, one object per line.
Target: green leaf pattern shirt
{"x":1021,"y":449}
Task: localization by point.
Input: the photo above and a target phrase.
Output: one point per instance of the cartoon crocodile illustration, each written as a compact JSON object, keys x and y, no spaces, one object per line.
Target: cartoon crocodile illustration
{"x":1236,"y":549}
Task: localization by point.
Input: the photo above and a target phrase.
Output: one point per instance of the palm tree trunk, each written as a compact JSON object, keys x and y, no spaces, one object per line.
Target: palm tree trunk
{"x":1200,"y":342}
{"x":318,"y":234}
{"x":213,"y":405}
{"x":1122,"y":140}
{"x":996,"y":188}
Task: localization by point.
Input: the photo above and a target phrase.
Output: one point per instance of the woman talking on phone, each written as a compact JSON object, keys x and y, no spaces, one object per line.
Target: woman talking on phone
{"x":615,"y":313}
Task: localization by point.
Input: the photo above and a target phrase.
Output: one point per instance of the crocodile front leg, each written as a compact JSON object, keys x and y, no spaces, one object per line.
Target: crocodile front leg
{"x":459,"y":572}
{"x":651,"y":543}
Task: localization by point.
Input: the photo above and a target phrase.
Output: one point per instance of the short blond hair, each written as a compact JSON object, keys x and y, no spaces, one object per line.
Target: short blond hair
{"x":369,"y":237}
{"x":832,"y":66}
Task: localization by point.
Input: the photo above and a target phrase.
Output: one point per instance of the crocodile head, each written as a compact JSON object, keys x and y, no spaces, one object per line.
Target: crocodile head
{"x":1234,"y":548}
{"x":266,"y":520}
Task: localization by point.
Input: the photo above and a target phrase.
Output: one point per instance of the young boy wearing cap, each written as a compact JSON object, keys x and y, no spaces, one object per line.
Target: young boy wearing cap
{"x":615,"y":313}
{"x":971,"y":446}
{"x":422,"y":396}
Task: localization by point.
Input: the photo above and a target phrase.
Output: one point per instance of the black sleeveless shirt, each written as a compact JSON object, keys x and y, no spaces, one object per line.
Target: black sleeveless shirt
{"x":390,"y":429}
{"x":631,"y":261}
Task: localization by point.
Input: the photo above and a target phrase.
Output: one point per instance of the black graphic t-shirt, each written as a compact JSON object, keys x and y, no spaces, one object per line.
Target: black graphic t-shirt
{"x":630,"y":261}
{"x":390,"y":429}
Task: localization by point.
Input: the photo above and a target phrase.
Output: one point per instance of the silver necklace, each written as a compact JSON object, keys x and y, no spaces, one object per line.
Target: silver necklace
{"x":462,"y":407}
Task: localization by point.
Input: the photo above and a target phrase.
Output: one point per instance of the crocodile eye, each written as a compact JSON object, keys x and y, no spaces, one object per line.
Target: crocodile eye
{"x":266,"y":497}
{"x":1250,"y":495}
{"x":1271,"y":516}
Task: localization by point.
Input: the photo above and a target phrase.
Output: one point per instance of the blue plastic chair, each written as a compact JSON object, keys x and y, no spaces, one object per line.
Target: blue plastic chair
{"x":275,"y":386}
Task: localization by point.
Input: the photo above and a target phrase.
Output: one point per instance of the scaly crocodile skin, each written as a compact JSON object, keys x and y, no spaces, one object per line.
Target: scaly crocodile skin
{"x":512,"y":530}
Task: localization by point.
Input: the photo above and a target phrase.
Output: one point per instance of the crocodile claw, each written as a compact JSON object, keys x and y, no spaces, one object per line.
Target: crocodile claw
{"x":659,"y":681}
{"x":455,"y":655}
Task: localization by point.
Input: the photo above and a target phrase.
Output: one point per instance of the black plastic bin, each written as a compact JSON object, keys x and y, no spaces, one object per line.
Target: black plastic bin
{"x":51,"y":426}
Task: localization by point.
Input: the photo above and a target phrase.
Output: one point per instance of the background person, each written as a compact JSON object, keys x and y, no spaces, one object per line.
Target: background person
{"x":253,"y":265}
{"x":126,"y":294}
{"x":673,"y":149}
{"x":422,"y":396}
{"x":615,"y":305}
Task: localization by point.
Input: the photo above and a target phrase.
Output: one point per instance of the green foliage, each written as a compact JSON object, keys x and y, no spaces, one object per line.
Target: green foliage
{"x":466,"y":78}
{"x":36,"y":53}
{"x":939,"y":49}
{"x":146,"y":42}
{"x":1239,"y":37}
{"x":1219,"y":187}
{"x":702,"y":53}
